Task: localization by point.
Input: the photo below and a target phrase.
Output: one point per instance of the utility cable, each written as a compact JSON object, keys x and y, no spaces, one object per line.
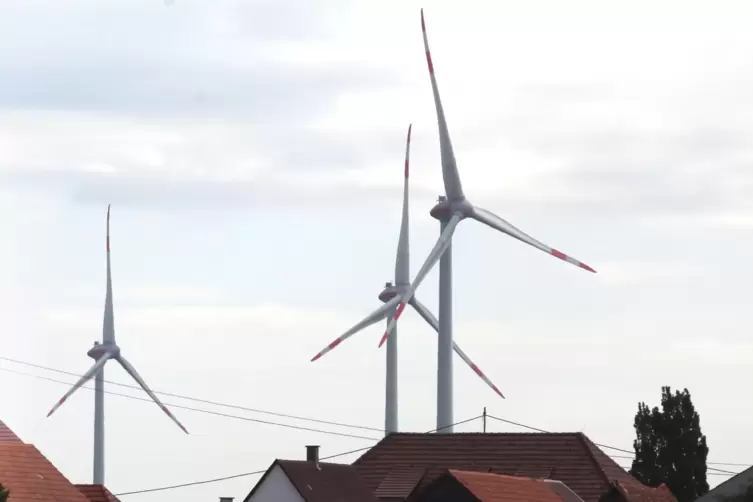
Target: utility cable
{"x":209,"y":412}
{"x":198,"y":400}
{"x":285,"y":415}
{"x":253,"y":473}
{"x":536,"y":429}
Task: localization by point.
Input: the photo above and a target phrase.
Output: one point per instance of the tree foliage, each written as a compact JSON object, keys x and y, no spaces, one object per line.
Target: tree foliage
{"x":670,"y":447}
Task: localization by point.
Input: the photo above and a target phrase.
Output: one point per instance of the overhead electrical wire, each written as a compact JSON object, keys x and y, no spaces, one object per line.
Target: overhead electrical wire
{"x":600,"y":445}
{"x":262,"y":471}
{"x":209,"y":412}
{"x":198,"y":400}
{"x":717,"y":471}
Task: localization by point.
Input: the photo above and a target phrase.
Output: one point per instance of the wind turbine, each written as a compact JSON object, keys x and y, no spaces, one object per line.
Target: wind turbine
{"x":101,"y":353}
{"x":391,"y":296}
{"x":450,"y":211}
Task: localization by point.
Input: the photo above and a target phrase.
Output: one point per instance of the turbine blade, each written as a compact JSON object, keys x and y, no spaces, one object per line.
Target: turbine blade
{"x":436,"y":253}
{"x":108,"y":325}
{"x":81,"y":381}
{"x":424,"y":312}
{"x":134,"y":374}
{"x":402,"y":262}
{"x":452,"y":185}
{"x":494,"y":221}
{"x":370,"y":319}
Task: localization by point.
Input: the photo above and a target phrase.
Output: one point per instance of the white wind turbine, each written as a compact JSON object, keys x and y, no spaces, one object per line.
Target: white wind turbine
{"x":451,"y":209}
{"x":101,"y":353}
{"x":391,"y":296}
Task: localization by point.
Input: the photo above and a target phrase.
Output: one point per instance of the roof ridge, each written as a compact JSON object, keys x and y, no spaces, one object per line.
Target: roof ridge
{"x":591,"y":449}
{"x":7,"y":435}
{"x":302,"y":461}
{"x":572,"y":433}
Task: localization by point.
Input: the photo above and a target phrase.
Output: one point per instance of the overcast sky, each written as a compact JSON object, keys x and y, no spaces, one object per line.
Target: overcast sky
{"x":252,"y":152}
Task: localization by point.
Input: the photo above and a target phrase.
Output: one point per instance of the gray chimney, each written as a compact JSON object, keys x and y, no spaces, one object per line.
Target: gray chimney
{"x":226,"y":499}
{"x":312,"y":454}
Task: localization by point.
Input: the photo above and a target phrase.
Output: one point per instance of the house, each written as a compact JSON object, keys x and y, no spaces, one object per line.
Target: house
{"x":310,"y":481}
{"x":30,"y":476}
{"x":468,"y":486}
{"x":97,"y":493}
{"x":403,"y":463}
{"x":735,"y":488}
{"x":634,"y":491}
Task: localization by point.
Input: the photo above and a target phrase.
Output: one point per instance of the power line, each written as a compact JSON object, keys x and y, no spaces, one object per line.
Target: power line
{"x":717,"y":471}
{"x":714,"y":463}
{"x":209,"y":412}
{"x":199,"y":400}
{"x":253,"y":473}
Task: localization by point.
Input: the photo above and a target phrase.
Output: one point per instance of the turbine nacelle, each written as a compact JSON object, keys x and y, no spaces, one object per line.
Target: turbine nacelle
{"x":390,"y":291}
{"x":100,"y":349}
{"x":445,"y":208}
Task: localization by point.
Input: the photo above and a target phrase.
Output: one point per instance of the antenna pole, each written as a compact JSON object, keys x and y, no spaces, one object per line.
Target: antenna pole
{"x":483,"y":419}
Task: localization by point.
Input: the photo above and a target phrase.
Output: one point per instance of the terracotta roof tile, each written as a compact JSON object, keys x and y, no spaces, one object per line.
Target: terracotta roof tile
{"x":638,"y":492}
{"x":327,"y":483}
{"x":488,"y":487}
{"x":398,"y":482}
{"x":30,"y":477}
{"x":97,"y":493}
{"x":568,"y":457}
{"x":7,"y":435}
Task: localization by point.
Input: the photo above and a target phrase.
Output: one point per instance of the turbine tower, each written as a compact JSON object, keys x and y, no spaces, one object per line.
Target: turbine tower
{"x":101,"y":353}
{"x":450,"y":211}
{"x":391,"y":296}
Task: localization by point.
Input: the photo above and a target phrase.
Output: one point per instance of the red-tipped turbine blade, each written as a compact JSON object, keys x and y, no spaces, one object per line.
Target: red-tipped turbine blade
{"x":395,"y":317}
{"x":370,"y":319}
{"x":497,"y":223}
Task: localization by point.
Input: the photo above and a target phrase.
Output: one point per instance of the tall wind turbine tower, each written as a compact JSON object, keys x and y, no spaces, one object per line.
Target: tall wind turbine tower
{"x":451,"y":210}
{"x":101,"y":353}
{"x":391,"y":296}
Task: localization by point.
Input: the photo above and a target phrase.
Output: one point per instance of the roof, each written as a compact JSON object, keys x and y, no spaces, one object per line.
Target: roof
{"x":322,"y":482}
{"x":489,"y":487}
{"x":634,"y":491}
{"x":97,"y":493}
{"x":30,"y":477}
{"x":734,"y":486}
{"x":7,"y":435}
{"x":568,"y":457}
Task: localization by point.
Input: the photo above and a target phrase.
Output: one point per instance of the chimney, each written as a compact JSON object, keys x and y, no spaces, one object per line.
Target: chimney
{"x":226,"y":499}
{"x":312,"y":454}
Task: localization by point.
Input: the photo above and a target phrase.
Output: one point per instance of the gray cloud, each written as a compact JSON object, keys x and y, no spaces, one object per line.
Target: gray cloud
{"x":142,"y":190}
{"x":267,"y":93}
{"x":217,"y":59}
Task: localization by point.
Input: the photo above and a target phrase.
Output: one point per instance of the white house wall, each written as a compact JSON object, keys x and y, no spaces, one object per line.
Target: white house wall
{"x":276,"y":487}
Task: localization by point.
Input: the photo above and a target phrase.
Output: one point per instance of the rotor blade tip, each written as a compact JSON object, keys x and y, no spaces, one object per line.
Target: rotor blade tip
{"x":315,"y":357}
{"x":586,"y":267}
{"x":384,"y":339}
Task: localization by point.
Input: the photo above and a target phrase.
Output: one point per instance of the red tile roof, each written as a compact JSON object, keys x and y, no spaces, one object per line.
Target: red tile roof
{"x":488,"y":487}
{"x":322,"y":482}
{"x":568,"y":457}
{"x":97,"y":493}
{"x":638,"y":492}
{"x":7,"y":435}
{"x":30,"y":477}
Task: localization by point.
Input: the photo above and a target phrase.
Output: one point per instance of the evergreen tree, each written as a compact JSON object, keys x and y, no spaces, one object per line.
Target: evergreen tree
{"x":670,"y":447}
{"x":3,"y":493}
